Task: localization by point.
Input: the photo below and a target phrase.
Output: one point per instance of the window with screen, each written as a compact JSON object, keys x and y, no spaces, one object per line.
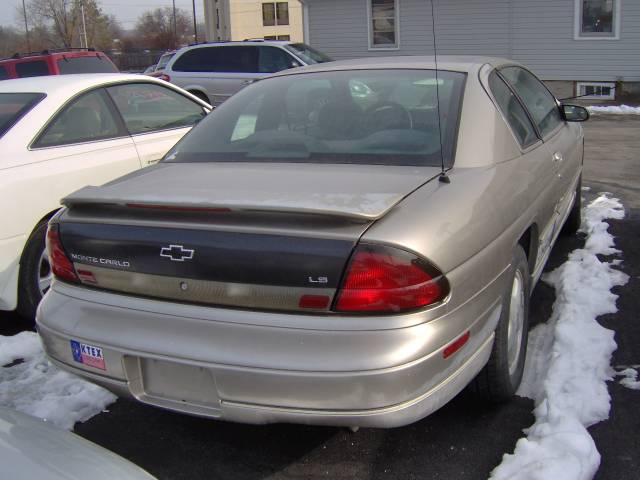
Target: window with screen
{"x":275,"y":13}
{"x":384,"y":23}
{"x":597,"y":18}
{"x":37,"y":68}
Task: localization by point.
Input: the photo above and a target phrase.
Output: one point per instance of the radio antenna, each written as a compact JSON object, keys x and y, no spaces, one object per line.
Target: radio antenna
{"x":443,"y":173}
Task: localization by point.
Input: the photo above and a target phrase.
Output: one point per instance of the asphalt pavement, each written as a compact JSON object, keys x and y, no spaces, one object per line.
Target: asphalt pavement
{"x":463,"y":440}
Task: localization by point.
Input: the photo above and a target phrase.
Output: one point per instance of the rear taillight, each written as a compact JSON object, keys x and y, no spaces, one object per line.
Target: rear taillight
{"x":389,"y":280}
{"x":60,"y":263}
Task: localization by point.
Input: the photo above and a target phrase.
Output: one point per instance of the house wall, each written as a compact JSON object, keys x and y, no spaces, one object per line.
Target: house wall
{"x":537,"y":33}
{"x":246,"y":21}
{"x":242,"y":19}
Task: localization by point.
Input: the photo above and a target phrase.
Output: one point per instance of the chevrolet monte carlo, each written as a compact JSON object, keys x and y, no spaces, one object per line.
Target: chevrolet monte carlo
{"x":344,"y":244}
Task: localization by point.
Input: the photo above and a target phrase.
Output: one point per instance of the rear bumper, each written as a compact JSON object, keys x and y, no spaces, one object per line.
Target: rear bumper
{"x":259,"y":374}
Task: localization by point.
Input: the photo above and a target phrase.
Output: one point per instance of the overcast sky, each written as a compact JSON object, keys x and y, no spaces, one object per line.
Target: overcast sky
{"x":125,"y":11}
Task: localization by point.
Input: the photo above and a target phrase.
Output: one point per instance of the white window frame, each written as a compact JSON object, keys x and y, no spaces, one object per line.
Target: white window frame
{"x":577,"y":26}
{"x":396,"y":9}
{"x":611,"y":85}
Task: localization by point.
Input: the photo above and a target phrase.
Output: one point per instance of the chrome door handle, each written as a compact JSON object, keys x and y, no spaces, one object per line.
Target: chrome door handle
{"x":557,"y":157}
{"x":248,"y":82}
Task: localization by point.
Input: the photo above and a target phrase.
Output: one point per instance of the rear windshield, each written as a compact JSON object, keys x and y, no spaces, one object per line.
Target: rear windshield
{"x":164,"y":59}
{"x":35,"y":68}
{"x":308,"y":54}
{"x":15,"y":105}
{"x":97,"y":64}
{"x":377,"y":117}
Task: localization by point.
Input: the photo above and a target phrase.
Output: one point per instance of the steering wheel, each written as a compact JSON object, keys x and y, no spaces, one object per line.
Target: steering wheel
{"x":388,"y":115}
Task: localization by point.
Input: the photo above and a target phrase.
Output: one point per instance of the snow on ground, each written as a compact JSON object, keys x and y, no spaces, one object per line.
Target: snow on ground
{"x":614,"y":109}
{"x":568,"y":361}
{"x":36,"y":387}
{"x":631,"y":379}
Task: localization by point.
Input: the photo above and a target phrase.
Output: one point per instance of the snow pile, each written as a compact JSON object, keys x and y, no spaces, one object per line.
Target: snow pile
{"x":36,"y":387}
{"x":615,"y":109}
{"x":568,"y":362}
{"x":630,"y":379}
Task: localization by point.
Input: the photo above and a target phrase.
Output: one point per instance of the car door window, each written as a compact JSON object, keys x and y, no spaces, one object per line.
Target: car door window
{"x":542,"y":106}
{"x":231,"y":59}
{"x":512,"y":110}
{"x":86,"y":119}
{"x":273,"y":59}
{"x":37,"y":68}
{"x":148,"y":107}
{"x":3,"y":73}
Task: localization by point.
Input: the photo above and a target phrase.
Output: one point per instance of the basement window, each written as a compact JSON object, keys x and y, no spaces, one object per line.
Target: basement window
{"x":597,"y":90}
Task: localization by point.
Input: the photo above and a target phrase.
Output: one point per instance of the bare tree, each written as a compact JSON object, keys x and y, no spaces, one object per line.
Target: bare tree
{"x":64,"y":18}
{"x":155,"y":27}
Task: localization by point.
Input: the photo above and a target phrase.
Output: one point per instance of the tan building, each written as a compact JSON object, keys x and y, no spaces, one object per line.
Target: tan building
{"x":250,"y":19}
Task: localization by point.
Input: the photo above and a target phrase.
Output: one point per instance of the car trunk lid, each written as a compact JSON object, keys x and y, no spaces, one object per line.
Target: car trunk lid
{"x":260,"y":237}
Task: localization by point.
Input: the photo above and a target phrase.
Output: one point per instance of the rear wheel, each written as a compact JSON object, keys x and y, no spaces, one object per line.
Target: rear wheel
{"x":501,"y":377}
{"x":572,"y":225}
{"x":35,"y":274}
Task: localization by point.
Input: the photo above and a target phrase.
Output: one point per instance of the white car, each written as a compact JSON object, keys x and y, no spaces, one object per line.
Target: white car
{"x":61,"y":133}
{"x":32,"y":448}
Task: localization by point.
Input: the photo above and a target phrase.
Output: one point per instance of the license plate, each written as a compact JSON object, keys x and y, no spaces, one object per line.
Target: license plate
{"x":89,"y":355}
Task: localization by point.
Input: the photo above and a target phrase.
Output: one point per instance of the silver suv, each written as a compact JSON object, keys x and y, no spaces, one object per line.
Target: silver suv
{"x":215,"y":71}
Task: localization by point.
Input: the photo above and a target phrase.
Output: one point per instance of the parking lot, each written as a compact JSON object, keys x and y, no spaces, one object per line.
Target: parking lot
{"x":464,"y":440}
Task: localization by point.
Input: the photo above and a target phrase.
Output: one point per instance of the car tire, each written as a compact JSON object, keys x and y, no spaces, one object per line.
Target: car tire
{"x":201,"y":96}
{"x":501,"y":377}
{"x":574,"y":220}
{"x":35,"y":274}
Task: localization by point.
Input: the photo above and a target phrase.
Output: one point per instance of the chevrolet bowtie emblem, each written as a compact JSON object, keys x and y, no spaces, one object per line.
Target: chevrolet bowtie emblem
{"x":176,"y":253}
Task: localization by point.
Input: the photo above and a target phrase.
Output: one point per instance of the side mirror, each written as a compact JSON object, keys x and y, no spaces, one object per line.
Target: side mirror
{"x":575,"y":113}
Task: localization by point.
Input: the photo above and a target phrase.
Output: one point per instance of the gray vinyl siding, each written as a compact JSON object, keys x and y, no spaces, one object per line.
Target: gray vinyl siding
{"x":537,"y":33}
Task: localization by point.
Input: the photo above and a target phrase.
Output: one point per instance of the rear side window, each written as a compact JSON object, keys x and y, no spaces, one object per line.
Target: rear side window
{"x":512,"y":110}
{"x":15,"y":105}
{"x":148,"y":108}
{"x":37,"y":68}
{"x":231,"y":59}
{"x":273,"y":59}
{"x":97,"y":64}
{"x":541,"y":104}
{"x":86,"y":119}
{"x":3,"y":73}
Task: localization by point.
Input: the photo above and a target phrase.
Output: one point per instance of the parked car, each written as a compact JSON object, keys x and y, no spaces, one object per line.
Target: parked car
{"x":344,"y":244}
{"x":215,"y":71}
{"x":156,"y":69}
{"x":58,"y":134}
{"x":32,"y":448}
{"x":55,"y":62}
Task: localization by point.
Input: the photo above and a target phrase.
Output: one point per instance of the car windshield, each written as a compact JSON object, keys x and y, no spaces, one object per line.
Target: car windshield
{"x":164,"y":59}
{"x":308,"y":54}
{"x":381,"y":117}
{"x":15,"y":105}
